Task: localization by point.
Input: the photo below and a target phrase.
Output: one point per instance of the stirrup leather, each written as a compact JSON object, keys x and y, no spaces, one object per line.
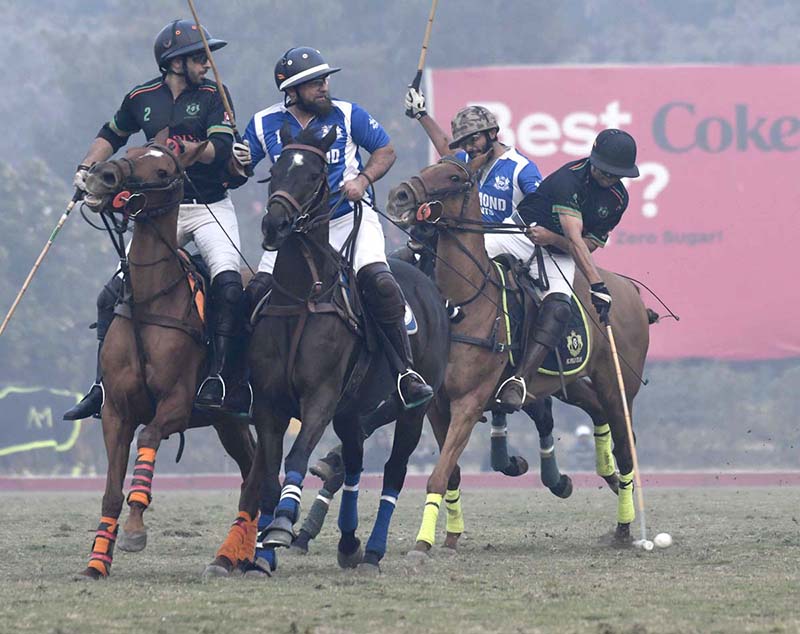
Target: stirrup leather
{"x":519,"y":380}
{"x":400,"y":377}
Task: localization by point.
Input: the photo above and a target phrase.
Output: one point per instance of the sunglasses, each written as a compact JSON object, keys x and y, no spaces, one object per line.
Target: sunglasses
{"x":607,"y":175}
{"x":199,"y":58}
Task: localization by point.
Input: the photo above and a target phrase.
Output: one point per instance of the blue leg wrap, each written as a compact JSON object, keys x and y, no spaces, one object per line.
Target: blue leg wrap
{"x":348,"y":509}
{"x":289,"y":504}
{"x":266,"y":553}
{"x":380,"y":532}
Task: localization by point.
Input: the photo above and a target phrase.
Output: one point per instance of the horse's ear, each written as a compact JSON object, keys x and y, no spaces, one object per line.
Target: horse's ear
{"x":328,"y":139}
{"x":162,"y":136}
{"x":286,"y":134}
{"x":191,"y":155}
{"x":479,"y":161}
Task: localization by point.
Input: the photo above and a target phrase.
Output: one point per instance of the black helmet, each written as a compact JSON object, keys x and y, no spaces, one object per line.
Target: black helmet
{"x":181,"y":37}
{"x":614,"y":152}
{"x":299,"y":65}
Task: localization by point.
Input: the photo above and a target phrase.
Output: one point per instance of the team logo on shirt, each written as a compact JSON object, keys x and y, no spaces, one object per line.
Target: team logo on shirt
{"x":193,"y":109}
{"x":602,"y":211}
{"x":373,"y":123}
{"x":502,"y":183}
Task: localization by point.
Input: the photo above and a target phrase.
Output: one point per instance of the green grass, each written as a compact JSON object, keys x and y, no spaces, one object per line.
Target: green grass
{"x":528,"y":563}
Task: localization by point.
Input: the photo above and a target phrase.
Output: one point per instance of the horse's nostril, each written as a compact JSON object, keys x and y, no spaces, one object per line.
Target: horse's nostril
{"x":402,"y":196}
{"x":109,"y":178}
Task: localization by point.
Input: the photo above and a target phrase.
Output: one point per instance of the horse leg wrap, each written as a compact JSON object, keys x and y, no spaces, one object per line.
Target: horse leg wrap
{"x":548,"y":467}
{"x":427,"y":531}
{"x":103,"y":546}
{"x":455,"y":516}
{"x":380,"y":532}
{"x":289,"y":504}
{"x":236,"y":546}
{"x":499,"y":442}
{"x":315,"y":518}
{"x":142,"y":483}
{"x":604,"y":459}
{"x":625,"y":510}
{"x":267,"y":553}
{"x":348,"y":512}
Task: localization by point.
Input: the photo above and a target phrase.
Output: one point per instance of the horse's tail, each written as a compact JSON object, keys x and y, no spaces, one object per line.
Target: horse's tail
{"x":652,"y":317}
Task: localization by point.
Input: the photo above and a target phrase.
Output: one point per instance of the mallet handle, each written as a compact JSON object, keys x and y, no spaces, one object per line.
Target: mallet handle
{"x":424,"y":52}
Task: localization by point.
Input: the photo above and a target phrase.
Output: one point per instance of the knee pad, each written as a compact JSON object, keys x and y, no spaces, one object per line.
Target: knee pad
{"x":382,"y":293}
{"x":228,"y":295}
{"x":554,"y":315}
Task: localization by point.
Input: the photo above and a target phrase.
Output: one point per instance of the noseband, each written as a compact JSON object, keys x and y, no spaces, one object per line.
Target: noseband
{"x":430,"y":206}
{"x":302,"y":221}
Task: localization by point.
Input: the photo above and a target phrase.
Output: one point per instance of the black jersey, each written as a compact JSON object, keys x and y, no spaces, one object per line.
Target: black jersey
{"x":196,"y":115}
{"x":571,"y":191}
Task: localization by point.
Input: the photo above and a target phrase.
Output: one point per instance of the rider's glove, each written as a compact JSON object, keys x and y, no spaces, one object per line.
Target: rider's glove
{"x":79,"y":181}
{"x":415,"y":103}
{"x":241,"y":153}
{"x":601,"y":300}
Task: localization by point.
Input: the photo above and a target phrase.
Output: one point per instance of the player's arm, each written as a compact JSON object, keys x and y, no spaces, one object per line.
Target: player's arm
{"x":415,"y":108}
{"x":572,"y":224}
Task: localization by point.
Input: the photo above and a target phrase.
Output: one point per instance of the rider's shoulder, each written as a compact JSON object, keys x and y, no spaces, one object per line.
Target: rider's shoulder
{"x":145,"y":88}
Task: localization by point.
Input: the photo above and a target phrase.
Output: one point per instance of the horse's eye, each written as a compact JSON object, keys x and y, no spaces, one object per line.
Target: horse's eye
{"x":455,"y":178}
{"x":163,"y":173}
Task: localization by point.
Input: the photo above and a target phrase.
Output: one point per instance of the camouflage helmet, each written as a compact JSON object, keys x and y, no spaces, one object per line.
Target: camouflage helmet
{"x":179,"y":38}
{"x":470,"y":120}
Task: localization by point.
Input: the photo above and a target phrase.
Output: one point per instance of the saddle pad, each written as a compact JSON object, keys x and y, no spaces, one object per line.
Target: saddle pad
{"x":575,"y":345}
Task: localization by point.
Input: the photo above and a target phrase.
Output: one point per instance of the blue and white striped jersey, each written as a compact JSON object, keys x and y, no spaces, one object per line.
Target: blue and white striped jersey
{"x":357,"y":129}
{"x":505,"y":184}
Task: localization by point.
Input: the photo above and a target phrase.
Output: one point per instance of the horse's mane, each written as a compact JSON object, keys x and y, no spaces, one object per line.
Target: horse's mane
{"x":310,"y":136}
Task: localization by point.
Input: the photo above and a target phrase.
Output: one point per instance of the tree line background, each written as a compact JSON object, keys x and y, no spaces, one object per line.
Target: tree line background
{"x":68,"y":64}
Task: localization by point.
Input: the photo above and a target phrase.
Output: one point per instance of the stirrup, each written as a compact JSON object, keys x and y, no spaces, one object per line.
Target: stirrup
{"x":519,"y":380}
{"x":400,"y":377}
{"x":210,"y":379}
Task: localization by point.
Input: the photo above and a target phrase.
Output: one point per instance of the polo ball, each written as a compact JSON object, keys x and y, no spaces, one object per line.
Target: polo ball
{"x":663,"y":540}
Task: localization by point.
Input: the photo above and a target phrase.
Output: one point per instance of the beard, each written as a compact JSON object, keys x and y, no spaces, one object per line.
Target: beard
{"x":319,"y":108}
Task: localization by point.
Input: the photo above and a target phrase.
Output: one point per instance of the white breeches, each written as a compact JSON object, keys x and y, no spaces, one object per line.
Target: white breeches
{"x":196,"y":224}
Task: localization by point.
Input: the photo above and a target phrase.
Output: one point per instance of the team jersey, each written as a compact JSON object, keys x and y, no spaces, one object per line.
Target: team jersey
{"x":571,"y":191}
{"x":505,"y":184}
{"x":196,"y":115}
{"x":356,"y":129}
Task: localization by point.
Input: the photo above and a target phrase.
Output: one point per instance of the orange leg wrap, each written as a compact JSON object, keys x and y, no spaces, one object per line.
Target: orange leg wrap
{"x":240,"y":543}
{"x":142,"y":484}
{"x":103,"y":546}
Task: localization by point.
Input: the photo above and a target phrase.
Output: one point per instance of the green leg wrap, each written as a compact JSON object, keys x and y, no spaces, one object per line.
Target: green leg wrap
{"x":604,"y":459}
{"x":548,"y":467}
{"x":625,"y":509}
{"x":455,"y":516}
{"x":316,"y":515}
{"x":427,"y":532}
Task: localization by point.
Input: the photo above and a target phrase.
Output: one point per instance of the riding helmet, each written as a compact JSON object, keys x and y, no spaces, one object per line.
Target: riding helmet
{"x":614,"y":152}
{"x":470,"y":120}
{"x":299,"y":65}
{"x":181,"y":37}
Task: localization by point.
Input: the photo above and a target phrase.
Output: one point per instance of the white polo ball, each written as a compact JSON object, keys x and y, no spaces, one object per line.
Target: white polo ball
{"x":663,"y":540}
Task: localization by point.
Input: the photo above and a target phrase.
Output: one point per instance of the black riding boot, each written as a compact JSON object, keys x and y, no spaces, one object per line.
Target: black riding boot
{"x":226,"y":386}
{"x":386,"y":304}
{"x":92,"y":403}
{"x":553,"y":318}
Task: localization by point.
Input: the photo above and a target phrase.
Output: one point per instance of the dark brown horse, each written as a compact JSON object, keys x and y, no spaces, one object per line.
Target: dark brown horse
{"x":153,"y":357}
{"x":473,"y":373}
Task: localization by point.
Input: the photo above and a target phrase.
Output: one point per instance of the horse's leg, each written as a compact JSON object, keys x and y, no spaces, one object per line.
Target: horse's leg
{"x":507,"y":465}
{"x":408,"y":430}
{"x":465,"y":412}
{"x":540,"y":412}
{"x":238,"y":442}
{"x":583,"y":395}
{"x":349,"y":552}
{"x":118,"y":437}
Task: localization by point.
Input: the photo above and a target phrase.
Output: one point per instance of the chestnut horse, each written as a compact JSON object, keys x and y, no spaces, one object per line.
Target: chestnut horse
{"x":466,"y":276}
{"x":153,"y":357}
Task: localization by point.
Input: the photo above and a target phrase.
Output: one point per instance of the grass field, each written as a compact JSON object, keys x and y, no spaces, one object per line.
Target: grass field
{"x":528,"y":563}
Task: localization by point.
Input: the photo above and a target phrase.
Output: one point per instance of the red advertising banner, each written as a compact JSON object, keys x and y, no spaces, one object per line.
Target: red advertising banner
{"x":712,"y":219}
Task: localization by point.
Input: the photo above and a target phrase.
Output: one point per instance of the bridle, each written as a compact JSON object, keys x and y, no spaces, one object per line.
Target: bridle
{"x":430,"y":206}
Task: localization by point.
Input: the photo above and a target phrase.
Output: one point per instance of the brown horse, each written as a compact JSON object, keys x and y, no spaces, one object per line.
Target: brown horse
{"x":154,"y":357}
{"x":467,"y":278}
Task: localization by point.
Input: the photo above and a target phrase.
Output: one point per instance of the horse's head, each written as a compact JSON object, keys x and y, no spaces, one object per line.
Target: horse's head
{"x":148,"y":178}
{"x":439,"y":191}
{"x":298,"y":185}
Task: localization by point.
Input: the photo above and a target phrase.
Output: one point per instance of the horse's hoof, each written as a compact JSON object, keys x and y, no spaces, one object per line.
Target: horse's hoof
{"x":449,"y":551}
{"x":89,"y":574}
{"x":300,"y":543}
{"x":622,"y":536}
{"x":517,"y":466}
{"x":279,"y":533}
{"x":368,"y":569}
{"x":451,"y":541}
{"x":564,"y":487}
{"x":258,"y":569}
{"x":613,"y":482}
{"x":352,"y":560}
{"x":212,"y":571}
{"x":131,"y":542}
{"x":417,"y":557}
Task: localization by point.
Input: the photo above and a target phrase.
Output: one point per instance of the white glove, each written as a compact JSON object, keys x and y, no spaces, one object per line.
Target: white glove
{"x":79,"y":181}
{"x":415,"y":103}
{"x":241,"y":152}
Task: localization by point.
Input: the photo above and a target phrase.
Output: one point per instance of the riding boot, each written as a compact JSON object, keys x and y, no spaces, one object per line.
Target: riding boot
{"x":552,"y":320}
{"x":226,"y":386}
{"x":91,"y":404}
{"x":386,"y":303}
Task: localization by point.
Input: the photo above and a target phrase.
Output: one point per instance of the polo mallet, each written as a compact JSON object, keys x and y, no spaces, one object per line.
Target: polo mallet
{"x":423,"y":53}
{"x":75,"y":198}
{"x":220,"y":87}
{"x":643,"y":541}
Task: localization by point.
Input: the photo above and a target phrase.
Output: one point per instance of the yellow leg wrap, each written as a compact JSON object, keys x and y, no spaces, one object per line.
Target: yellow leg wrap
{"x":427,"y":532}
{"x":625,"y":509}
{"x":455,"y":516}
{"x":604,"y":459}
